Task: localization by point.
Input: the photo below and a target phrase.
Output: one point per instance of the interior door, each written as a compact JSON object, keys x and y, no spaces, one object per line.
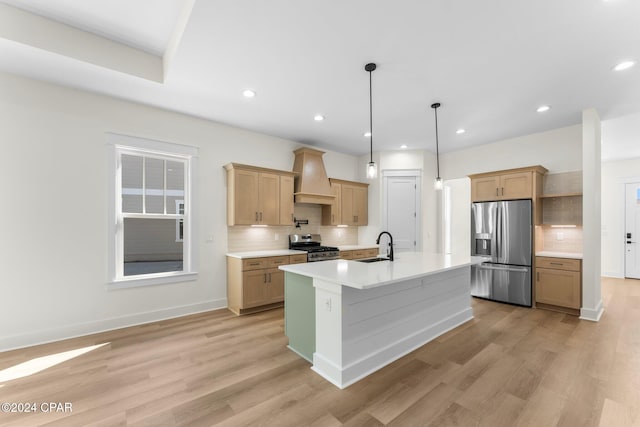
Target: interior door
{"x":632,"y":228}
{"x":401,"y":212}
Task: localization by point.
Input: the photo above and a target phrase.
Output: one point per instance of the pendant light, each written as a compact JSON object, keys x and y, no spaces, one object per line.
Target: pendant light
{"x":438,"y":182}
{"x":372,"y":169}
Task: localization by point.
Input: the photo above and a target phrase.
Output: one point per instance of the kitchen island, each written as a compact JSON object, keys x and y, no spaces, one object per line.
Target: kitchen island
{"x":350,"y":318}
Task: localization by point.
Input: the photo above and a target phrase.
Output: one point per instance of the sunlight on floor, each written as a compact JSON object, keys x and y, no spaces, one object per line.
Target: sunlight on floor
{"x":39,"y":364}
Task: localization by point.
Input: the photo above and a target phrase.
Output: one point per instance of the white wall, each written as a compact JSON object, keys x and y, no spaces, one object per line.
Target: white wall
{"x":403,"y":160}
{"x":53,"y":254}
{"x":558,"y":150}
{"x":614,"y":176}
{"x":460,"y":218}
{"x":592,"y":306}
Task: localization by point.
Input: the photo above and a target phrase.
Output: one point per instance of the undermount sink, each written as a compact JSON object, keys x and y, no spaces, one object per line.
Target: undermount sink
{"x":372,"y":259}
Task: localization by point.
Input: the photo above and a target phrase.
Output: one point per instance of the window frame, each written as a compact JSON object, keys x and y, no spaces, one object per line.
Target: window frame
{"x":179,"y":222}
{"x":122,"y":144}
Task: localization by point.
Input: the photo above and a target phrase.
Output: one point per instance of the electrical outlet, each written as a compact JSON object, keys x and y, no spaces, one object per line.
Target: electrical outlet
{"x":559,"y":235}
{"x":327,"y":304}
{"x":276,"y":236}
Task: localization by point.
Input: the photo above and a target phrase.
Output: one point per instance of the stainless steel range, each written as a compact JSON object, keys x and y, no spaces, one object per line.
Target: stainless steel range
{"x":311,"y":243}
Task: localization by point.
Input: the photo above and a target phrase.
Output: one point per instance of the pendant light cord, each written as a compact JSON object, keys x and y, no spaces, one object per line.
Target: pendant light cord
{"x":435,"y":111}
{"x":370,"y":118}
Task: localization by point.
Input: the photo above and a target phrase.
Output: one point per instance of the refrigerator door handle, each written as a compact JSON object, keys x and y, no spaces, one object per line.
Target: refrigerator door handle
{"x":504,"y":240}
{"x":498,"y":233}
{"x":503,"y":268}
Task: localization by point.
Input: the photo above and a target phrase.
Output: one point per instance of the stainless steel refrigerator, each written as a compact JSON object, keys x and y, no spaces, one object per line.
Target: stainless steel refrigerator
{"x":501,"y":232}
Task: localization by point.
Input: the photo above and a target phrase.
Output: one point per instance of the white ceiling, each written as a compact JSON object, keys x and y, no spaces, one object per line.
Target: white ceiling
{"x":144,"y":24}
{"x":489,"y":63}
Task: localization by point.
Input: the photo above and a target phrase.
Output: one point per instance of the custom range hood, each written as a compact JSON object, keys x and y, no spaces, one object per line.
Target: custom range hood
{"x":311,"y":181}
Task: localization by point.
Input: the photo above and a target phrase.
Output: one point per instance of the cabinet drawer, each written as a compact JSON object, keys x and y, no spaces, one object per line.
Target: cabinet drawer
{"x":360,"y":254}
{"x":254,"y":264}
{"x":297,"y":259}
{"x":274,"y":262}
{"x":346,"y":254}
{"x":370,"y":253}
{"x":558,"y":263}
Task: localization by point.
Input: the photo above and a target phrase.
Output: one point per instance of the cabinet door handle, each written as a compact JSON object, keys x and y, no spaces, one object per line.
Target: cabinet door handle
{"x":497,"y":189}
{"x":556,"y":263}
{"x":333,"y":218}
{"x":254,"y":263}
{"x":260,"y":216}
{"x":502,"y":191}
{"x":256,"y":216}
{"x":269,"y":277}
{"x":265,"y":278}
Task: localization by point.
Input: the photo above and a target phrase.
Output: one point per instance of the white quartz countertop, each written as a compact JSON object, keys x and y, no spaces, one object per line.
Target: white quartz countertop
{"x":360,"y":275}
{"x":263,"y":254}
{"x":356,"y":247}
{"x":553,"y":254}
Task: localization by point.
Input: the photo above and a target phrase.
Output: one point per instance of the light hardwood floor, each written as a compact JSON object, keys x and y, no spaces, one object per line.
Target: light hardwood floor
{"x":509,"y":366}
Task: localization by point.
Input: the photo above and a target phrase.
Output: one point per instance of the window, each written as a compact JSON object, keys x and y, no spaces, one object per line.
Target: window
{"x":151,"y":219}
{"x":179,"y":222}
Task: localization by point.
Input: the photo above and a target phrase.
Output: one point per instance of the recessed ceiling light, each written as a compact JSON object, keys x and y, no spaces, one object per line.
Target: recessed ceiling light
{"x":248,"y":93}
{"x":403,"y":146}
{"x":366,"y":134}
{"x":318,"y":117}
{"x":460,"y":131}
{"x":543,"y":108}
{"x":624,"y":65}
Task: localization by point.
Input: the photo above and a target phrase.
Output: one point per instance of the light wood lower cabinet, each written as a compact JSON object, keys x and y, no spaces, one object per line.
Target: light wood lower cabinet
{"x":359,"y":253}
{"x":256,"y":284}
{"x":558,"y":284}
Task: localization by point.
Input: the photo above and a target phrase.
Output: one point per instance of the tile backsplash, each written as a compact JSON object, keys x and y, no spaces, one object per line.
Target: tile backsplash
{"x":565,"y":182}
{"x":246,"y":238}
{"x":559,"y":239}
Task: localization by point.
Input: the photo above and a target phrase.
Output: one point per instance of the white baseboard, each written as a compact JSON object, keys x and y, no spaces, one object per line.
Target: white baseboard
{"x":80,"y":329}
{"x":343,"y":377}
{"x":592,"y":314}
{"x":614,"y":274}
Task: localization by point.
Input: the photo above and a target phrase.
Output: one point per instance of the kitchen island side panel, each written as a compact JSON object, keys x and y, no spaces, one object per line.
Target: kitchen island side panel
{"x":299,"y":314}
{"x":373,"y":327}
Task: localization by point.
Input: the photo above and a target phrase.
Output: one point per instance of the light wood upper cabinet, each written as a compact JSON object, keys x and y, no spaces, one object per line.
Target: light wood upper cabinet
{"x":244,"y":203}
{"x":332,"y":214}
{"x":512,"y":184}
{"x":347,"y":216}
{"x":268,"y":198}
{"x":517,"y":185}
{"x":486,"y":188}
{"x":361,"y":205}
{"x":258,"y":195}
{"x":286,"y":200}
{"x":351,"y":206}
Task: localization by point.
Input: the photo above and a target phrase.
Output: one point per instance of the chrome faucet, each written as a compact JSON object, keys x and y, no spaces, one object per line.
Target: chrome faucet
{"x":390,"y":250}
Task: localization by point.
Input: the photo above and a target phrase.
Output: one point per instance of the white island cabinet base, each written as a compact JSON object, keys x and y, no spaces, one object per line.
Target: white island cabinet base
{"x":360,"y":329}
